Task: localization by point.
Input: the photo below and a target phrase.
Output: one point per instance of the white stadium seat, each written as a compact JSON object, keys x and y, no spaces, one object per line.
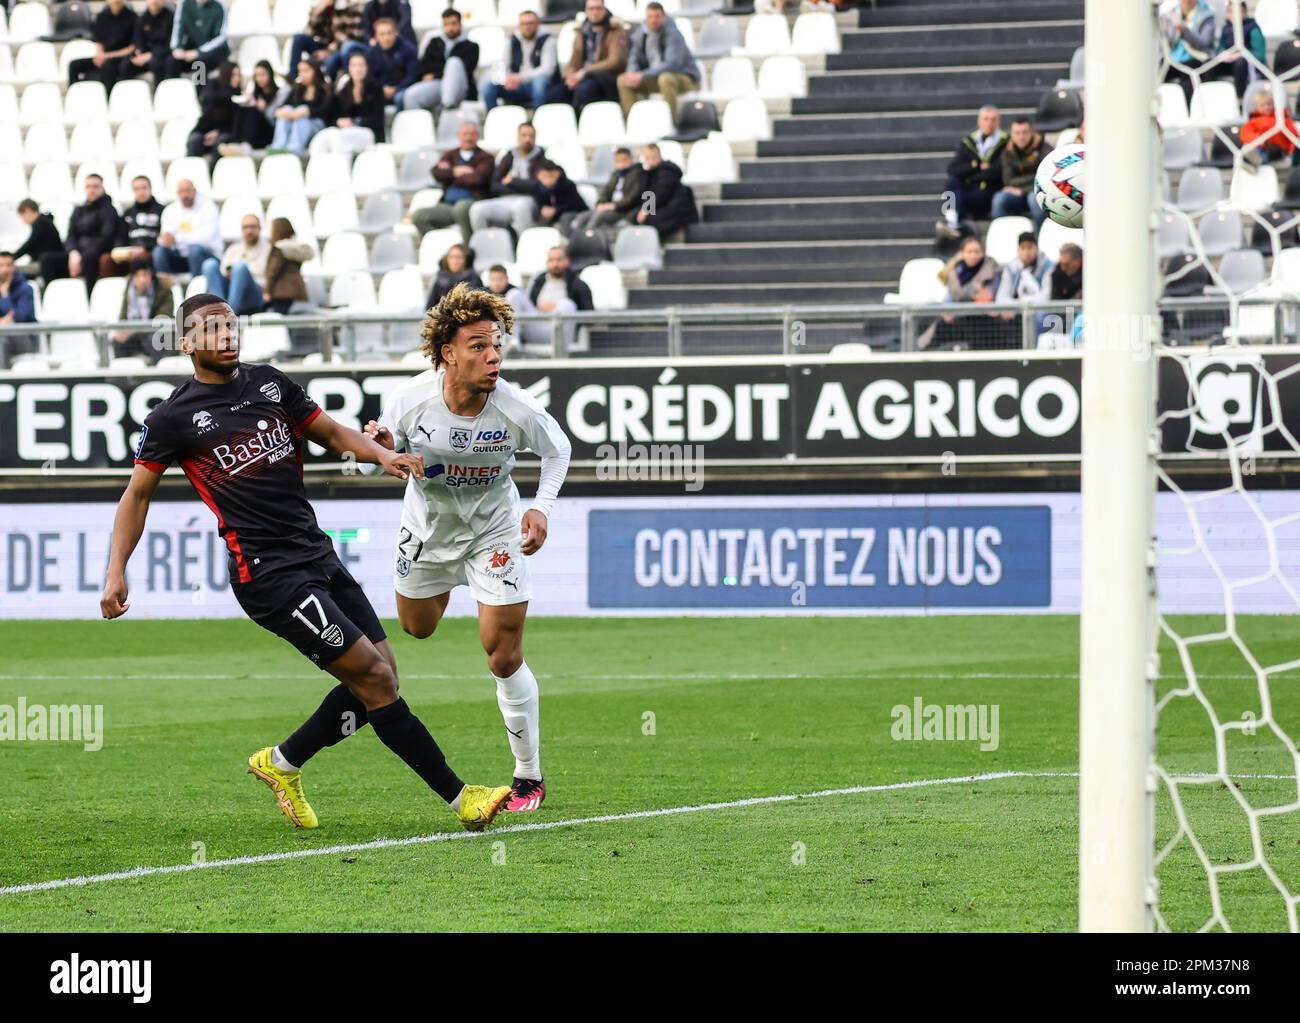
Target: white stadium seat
{"x":434,"y":245}
{"x":175,"y":97}
{"x":28,"y":21}
{"x":572,"y":157}
{"x":50,"y":183}
{"x":1277,"y":18}
{"x":257,"y":48}
{"x":413,"y":129}
{"x":248,"y":18}
{"x":746,"y":120}
{"x":233,"y":175}
{"x":732,"y":77}
{"x":1051,"y":236}
{"x":327,"y":172}
{"x":289,"y":16}
{"x":648,"y":121}
{"x":36,"y":62}
{"x":335,"y":213}
{"x":637,"y":248}
{"x":344,"y":252}
{"x":555,"y":124}
{"x":601,"y":123}
{"x":85,"y":101}
{"x":292,"y":206}
{"x":107,"y":173}
{"x":130,"y":100}
{"x":373,"y":171}
{"x":106,"y":299}
{"x":606,"y":283}
{"x":354,"y":290}
{"x":191,"y":168}
{"x":710,"y":162}
{"x":145,"y":167}
{"x":1003,"y":237}
{"x":45,"y":141}
{"x":174,"y":138}
{"x":74,"y":49}
{"x":402,"y":291}
{"x":1254,"y":189}
{"x":815,"y":33}
{"x":40,"y":103}
{"x":501,"y":128}
{"x":235,"y":209}
{"x":280,"y":174}
{"x":782,"y":78}
{"x":919,"y":284}
{"x":765,"y":34}
{"x":1214,"y":104}
{"x":1173,"y":112}
{"x":13,"y":181}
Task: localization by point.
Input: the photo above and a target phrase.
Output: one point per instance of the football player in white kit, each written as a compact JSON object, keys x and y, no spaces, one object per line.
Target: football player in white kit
{"x":461,"y":523}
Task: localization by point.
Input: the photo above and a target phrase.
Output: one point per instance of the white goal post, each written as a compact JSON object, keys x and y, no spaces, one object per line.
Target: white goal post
{"x":1118,"y":608}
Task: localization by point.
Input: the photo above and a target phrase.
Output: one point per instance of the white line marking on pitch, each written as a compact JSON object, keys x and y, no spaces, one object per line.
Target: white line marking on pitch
{"x":965,"y":676}
{"x":451,"y":836}
{"x":516,"y":829}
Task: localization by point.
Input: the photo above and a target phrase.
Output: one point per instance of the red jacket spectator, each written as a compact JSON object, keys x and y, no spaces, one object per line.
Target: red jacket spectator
{"x":1265,"y":120}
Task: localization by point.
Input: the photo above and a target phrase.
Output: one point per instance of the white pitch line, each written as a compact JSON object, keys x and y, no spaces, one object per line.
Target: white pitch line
{"x":517,"y":829}
{"x":964,"y":676}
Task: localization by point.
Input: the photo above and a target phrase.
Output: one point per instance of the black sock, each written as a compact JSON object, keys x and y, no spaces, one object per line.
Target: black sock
{"x":405,"y":734}
{"x":339,"y":715}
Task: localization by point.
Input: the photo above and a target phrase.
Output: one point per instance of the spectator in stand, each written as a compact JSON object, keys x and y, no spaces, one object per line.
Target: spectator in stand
{"x":970,"y":276}
{"x":333,"y":33}
{"x":138,"y":232}
{"x":1067,"y":275}
{"x":1232,"y":62}
{"x":619,"y":198}
{"x":454,"y":268}
{"x":113,"y":32}
{"x":465,"y":174}
{"x":446,"y":69}
{"x":393,"y":61}
{"x":1189,"y":28}
{"x":498,"y":282}
{"x":1274,"y":132}
{"x":42,"y":238}
{"x":529,"y":68}
{"x":284,"y":283}
{"x":1024,"y":279}
{"x":240,"y":277}
{"x":17,"y":305}
{"x":398,"y":11}
{"x":559,"y":290}
{"x":253,"y":127}
{"x":658,"y":61}
{"x":974,"y":174}
{"x":198,"y":37}
{"x":145,"y":300}
{"x":92,"y":230}
{"x":190,"y":232}
{"x":360,"y":103}
{"x":671,"y":204}
{"x":599,"y":57}
{"x":216,"y":123}
{"x":511,"y":204}
{"x":555,"y":197}
{"x":1020,"y":159}
{"x":304,"y":113}
{"x":152,"y":42}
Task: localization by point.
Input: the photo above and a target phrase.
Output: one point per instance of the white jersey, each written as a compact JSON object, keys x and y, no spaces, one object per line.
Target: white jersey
{"x":467,"y":495}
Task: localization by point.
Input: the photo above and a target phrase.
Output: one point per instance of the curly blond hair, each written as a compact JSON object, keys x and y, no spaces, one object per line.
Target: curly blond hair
{"x":460,"y":306}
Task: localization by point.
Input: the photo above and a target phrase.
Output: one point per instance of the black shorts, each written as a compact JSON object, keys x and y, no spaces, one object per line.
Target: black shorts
{"x":318,"y":607}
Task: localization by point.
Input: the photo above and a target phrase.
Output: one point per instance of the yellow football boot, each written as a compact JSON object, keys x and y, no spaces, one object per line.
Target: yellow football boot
{"x":287,"y":786}
{"x":480,"y":803}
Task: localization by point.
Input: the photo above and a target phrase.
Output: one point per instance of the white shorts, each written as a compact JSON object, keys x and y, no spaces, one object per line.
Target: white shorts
{"x":495,"y":570}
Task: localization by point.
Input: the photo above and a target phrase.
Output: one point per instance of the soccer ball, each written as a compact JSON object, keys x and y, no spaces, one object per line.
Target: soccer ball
{"x":1058,"y":185}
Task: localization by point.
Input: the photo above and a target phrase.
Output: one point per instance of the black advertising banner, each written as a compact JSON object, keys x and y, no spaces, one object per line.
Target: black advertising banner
{"x":761,"y":411}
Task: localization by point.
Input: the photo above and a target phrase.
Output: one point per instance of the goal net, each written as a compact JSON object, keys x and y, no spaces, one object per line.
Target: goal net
{"x":1190,"y":666}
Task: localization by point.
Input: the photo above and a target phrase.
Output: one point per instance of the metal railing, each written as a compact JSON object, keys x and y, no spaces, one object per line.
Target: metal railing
{"x":674,"y":331}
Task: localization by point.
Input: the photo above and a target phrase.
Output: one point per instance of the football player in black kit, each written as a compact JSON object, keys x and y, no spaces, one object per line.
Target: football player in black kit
{"x":238,"y":432}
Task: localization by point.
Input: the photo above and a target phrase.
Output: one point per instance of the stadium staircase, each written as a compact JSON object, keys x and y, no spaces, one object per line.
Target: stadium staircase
{"x":847,"y":189}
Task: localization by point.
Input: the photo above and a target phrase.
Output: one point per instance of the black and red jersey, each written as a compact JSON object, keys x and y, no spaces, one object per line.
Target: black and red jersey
{"x":241,"y":446}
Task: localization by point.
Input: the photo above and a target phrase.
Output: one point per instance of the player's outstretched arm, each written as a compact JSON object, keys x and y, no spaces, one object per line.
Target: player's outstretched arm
{"x":128,"y":525}
{"x":341,"y":440}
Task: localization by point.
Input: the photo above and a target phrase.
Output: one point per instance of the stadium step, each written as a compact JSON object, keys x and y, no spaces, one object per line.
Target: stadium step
{"x":870,"y":103}
{"x":866,"y":184}
{"x":795,"y":232}
{"x":881,"y":271}
{"x":811,"y":211}
{"x":928,"y":56}
{"x":974,"y":12}
{"x":940,"y":40}
{"x":758,"y":294}
{"x":973,"y":81}
{"x":844,"y":169}
{"x":945,"y":128}
{"x":719,"y":339}
{"x":826,"y":255}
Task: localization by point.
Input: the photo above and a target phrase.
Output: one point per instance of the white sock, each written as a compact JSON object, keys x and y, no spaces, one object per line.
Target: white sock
{"x":277,"y":759}
{"x":517,"y":698}
{"x":455,"y":803}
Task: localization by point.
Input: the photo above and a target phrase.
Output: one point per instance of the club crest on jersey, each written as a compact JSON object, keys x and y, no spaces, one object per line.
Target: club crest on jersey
{"x":500,"y":565}
{"x":204,"y":421}
{"x":271,"y":390}
{"x":332,"y":635}
{"x":459,"y":440}
{"x":403,"y":567}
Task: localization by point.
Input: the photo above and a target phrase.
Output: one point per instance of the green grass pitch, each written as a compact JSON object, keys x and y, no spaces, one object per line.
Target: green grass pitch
{"x":742,"y":708}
